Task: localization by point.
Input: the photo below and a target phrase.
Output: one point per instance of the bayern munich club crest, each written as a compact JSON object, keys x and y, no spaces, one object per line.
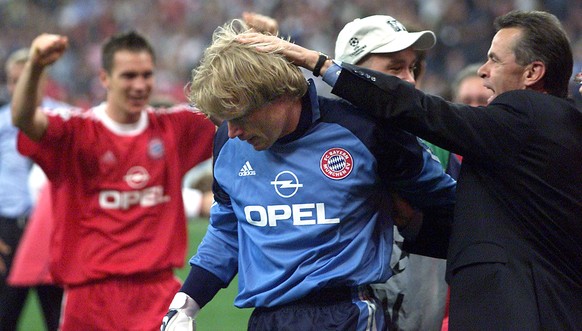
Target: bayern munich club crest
{"x":336,"y":163}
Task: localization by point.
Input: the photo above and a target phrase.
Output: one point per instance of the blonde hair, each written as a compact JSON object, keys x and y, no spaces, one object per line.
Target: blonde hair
{"x":234,"y":78}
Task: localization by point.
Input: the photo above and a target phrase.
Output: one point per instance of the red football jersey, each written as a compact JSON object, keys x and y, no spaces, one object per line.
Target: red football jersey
{"x":116,"y":189}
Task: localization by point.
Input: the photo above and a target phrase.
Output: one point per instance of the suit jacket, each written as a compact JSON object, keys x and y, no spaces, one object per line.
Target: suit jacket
{"x":519,"y":194}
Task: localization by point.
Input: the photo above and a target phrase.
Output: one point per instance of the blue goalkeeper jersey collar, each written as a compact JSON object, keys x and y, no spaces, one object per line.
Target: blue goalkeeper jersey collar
{"x":309,"y":114}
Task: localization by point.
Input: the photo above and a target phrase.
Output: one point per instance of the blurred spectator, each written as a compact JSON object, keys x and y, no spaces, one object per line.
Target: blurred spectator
{"x":15,"y":207}
{"x":181,"y":29}
{"x":30,"y":268}
{"x":468,"y":87}
{"x":197,"y":190}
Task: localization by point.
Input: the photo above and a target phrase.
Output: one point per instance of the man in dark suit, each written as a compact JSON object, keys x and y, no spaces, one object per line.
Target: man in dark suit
{"x":515,"y":253}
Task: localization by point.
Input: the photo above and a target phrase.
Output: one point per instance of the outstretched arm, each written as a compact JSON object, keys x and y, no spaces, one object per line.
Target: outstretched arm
{"x":26,"y":115}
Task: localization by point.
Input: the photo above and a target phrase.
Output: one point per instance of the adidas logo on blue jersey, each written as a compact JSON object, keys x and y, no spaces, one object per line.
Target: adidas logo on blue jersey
{"x":247,"y":170}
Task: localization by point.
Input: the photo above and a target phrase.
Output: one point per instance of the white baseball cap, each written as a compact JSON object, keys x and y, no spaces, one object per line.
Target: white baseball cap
{"x":378,"y":34}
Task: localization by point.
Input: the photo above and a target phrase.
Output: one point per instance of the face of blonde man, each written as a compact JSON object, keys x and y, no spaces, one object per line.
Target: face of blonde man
{"x":262,"y":127}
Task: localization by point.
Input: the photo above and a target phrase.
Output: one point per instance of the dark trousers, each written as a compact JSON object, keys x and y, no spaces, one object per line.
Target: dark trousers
{"x":13,"y":298}
{"x":11,"y":305}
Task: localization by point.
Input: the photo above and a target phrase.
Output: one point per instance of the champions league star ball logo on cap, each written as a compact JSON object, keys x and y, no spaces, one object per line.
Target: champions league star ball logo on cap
{"x":378,"y":34}
{"x":336,"y":163}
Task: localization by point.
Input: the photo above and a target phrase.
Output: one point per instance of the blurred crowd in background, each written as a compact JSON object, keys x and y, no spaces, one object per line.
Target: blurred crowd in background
{"x":180,"y":30}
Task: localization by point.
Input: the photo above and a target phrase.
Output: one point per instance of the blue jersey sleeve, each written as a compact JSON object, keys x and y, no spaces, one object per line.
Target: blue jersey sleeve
{"x":407,"y":166}
{"x":216,"y":261}
{"x":430,"y":187}
{"x":218,"y":252}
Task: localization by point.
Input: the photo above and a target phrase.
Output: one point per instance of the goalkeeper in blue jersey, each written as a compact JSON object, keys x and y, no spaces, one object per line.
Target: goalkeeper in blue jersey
{"x":302,"y":188}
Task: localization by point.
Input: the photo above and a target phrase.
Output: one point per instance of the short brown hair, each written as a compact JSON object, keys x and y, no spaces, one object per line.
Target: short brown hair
{"x":543,"y":39}
{"x":131,"y":41}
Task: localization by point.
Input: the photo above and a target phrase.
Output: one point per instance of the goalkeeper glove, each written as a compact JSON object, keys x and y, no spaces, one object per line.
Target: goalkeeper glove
{"x":181,"y":314}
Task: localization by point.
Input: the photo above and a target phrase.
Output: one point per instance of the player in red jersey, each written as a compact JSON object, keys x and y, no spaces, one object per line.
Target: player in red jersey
{"x":116,"y":172}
